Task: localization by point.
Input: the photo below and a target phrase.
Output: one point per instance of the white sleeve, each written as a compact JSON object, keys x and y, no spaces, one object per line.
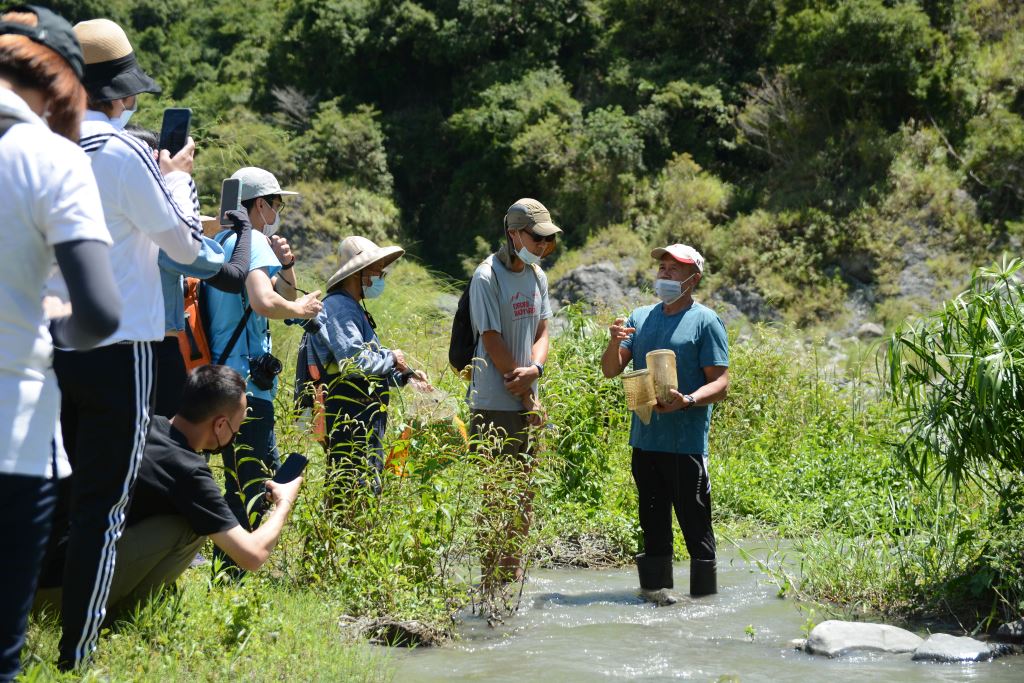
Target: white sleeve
{"x":69,"y":205}
{"x":152,"y":207}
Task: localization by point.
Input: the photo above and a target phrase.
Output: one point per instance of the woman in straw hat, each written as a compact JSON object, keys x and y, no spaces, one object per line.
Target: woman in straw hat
{"x":359,"y":370}
{"x":51,"y":209}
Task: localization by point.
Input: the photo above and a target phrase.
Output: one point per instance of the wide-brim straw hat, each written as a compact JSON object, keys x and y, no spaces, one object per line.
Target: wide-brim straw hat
{"x":111,"y":70}
{"x":356,"y":253}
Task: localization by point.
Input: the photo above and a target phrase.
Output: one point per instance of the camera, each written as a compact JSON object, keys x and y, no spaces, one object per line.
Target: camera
{"x":263,"y":369}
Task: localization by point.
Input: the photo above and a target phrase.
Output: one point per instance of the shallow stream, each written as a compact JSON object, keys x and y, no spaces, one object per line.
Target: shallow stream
{"x":585,"y":625}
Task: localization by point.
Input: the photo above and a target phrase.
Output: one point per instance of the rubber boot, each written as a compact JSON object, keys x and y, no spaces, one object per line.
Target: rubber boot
{"x":703,"y":579}
{"x":655,"y":572}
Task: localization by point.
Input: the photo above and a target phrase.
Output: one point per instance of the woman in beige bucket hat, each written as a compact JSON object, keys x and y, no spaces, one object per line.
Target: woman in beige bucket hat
{"x":358,"y":370}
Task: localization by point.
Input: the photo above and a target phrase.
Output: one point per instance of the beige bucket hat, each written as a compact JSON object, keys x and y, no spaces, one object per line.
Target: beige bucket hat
{"x":111,"y":70}
{"x":356,"y":253}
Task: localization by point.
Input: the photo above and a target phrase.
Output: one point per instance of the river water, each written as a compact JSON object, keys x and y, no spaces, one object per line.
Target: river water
{"x":585,"y":625}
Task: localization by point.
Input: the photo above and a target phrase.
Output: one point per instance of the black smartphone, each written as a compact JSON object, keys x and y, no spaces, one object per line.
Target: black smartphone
{"x":174,"y":131}
{"x":230,"y":199}
{"x":292,"y":467}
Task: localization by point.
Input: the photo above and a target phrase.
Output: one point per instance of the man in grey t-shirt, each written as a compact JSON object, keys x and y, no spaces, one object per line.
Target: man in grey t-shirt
{"x":509,"y":309}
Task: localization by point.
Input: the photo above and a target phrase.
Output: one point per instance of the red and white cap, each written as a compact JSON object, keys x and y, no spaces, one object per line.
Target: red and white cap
{"x":683,"y":253}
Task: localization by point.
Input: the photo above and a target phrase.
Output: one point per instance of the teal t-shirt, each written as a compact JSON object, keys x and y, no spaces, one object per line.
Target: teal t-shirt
{"x":698,"y":337}
{"x":224,"y":310}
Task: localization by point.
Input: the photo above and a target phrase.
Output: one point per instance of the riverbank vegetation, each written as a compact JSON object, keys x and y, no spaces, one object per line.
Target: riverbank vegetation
{"x":801,"y":450}
{"x":830,"y":159}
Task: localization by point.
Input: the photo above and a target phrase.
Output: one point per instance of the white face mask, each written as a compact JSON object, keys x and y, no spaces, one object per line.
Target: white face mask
{"x":121,"y":121}
{"x":669,"y":291}
{"x":271,"y":228}
{"x":527,"y":256}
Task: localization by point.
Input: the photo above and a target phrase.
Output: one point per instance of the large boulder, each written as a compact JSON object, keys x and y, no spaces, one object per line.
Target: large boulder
{"x":1012,"y":632}
{"x":601,"y":283}
{"x":834,"y":638}
{"x":942,"y":647}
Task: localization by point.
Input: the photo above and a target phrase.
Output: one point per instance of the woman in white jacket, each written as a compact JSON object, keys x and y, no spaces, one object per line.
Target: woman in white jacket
{"x":51,"y":209}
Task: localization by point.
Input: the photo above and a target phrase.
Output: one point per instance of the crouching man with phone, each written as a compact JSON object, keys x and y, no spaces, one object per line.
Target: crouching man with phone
{"x":177,"y":503}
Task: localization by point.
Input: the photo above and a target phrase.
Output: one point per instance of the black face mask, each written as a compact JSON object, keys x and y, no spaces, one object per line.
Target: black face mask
{"x":226,"y":448}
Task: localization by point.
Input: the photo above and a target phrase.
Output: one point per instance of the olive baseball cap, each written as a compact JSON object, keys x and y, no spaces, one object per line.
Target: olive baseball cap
{"x":52,"y":31}
{"x":529,"y":213}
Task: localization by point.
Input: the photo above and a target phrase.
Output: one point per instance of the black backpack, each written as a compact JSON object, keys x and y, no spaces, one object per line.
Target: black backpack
{"x":462,"y":345}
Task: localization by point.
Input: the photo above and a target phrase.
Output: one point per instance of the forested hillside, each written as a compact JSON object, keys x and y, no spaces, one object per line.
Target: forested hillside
{"x":824,"y":155}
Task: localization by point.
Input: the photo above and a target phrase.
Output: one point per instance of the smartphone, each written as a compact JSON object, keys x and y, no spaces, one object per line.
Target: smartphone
{"x":292,"y":467}
{"x":230,"y":199}
{"x":174,"y":132}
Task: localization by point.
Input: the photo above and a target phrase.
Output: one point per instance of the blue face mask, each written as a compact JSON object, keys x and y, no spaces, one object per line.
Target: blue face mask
{"x":375,"y":289}
{"x":670,"y":290}
{"x":121,"y":121}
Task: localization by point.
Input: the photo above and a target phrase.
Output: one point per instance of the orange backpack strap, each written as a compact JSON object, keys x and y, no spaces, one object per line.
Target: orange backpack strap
{"x":192,"y":341}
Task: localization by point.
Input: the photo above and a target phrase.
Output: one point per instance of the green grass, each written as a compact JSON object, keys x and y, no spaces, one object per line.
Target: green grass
{"x":797,"y":452}
{"x":264,"y":630}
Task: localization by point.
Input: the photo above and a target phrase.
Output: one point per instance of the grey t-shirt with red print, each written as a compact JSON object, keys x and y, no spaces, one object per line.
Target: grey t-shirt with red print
{"x":512,"y":304}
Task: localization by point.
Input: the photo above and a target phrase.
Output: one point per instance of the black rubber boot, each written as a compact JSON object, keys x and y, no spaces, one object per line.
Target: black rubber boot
{"x":703,"y":579}
{"x":655,"y":572}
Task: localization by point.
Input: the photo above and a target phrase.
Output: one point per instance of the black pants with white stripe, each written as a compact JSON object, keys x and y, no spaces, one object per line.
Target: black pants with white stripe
{"x":106,"y":401}
{"x":674,"y":480}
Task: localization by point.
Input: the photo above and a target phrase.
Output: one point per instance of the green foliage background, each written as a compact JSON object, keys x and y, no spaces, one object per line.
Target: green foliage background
{"x":809,"y":147}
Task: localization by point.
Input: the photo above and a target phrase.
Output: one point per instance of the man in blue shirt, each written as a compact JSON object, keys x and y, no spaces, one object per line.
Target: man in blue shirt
{"x":670,"y":454}
{"x":270,"y":293}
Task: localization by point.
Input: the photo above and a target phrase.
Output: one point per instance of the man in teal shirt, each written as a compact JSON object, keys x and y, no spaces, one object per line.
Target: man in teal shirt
{"x":670,"y":454}
{"x":269,"y":293}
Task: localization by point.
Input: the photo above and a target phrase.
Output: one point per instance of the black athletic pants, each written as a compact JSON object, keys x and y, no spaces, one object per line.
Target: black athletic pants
{"x":106,"y":401}
{"x":26,"y":506}
{"x":674,"y":480}
{"x":170,"y":368}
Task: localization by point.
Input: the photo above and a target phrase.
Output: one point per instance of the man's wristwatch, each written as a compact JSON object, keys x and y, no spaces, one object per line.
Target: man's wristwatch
{"x":540,"y":368}
{"x":690,"y":401}
{"x":290,"y":264}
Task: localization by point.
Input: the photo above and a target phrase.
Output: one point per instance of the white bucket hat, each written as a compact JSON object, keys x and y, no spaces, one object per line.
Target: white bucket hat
{"x":257,"y":182}
{"x":357,"y":253}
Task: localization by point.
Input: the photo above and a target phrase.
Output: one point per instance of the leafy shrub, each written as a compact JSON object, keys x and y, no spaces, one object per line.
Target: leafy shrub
{"x":345,"y":147}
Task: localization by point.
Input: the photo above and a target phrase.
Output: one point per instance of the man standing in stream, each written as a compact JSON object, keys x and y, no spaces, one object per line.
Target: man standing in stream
{"x":670,"y":455}
{"x":509,"y":311}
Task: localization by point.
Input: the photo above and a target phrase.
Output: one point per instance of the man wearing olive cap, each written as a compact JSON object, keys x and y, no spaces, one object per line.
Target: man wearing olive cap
{"x":509,"y":310}
{"x":670,"y":454}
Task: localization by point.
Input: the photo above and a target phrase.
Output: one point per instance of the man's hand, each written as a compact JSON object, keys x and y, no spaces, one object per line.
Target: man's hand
{"x":282,"y":250}
{"x":675,"y":402}
{"x":420,"y":383}
{"x":536,"y":416}
{"x":238,"y":219}
{"x":283,"y":493}
{"x":309,"y":305}
{"x":182,"y":161}
{"x":520,"y":381}
{"x":399,"y":357}
{"x":619,"y":331}
{"x":55,"y":307}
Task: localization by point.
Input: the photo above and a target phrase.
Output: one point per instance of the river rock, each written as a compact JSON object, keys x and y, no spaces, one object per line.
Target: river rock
{"x":598,"y":283}
{"x":870,"y":331}
{"x":1012,"y":632}
{"x":834,"y":638}
{"x":942,"y":647}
